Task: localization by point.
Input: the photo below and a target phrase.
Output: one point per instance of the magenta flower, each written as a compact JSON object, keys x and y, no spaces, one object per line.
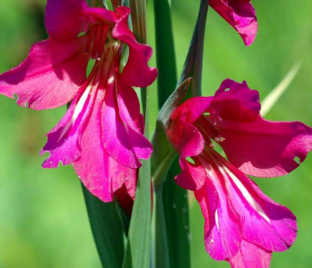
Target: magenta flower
{"x":242,"y":225}
{"x":241,"y":15}
{"x":101,"y":133}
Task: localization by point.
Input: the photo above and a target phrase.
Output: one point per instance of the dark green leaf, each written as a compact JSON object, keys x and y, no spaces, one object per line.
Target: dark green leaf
{"x":165,"y":54}
{"x":177,"y":220}
{"x":108,"y":229}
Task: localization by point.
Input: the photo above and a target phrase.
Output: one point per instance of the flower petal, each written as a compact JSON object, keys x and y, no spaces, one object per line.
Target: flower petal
{"x":100,"y":173}
{"x":240,"y":14}
{"x":116,"y":135}
{"x":258,"y":147}
{"x":184,"y":137}
{"x":264,"y":222}
{"x":49,"y":77}
{"x":222,"y":233}
{"x":251,"y":256}
{"x":64,"y":19}
{"x":265,"y":149}
{"x":64,"y":140}
{"x":102,"y":15}
{"x":222,"y":226}
{"x":192,"y":177}
{"x":235,"y":102}
{"x":129,"y":111}
{"x":136,"y":72}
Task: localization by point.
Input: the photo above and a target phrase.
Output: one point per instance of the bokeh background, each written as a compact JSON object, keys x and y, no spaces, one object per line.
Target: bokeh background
{"x":43,"y":220}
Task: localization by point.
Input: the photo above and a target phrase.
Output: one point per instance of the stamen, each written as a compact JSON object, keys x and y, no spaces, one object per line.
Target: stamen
{"x":207,"y":130}
{"x":90,"y":40}
{"x":96,"y":41}
{"x":102,"y":41}
{"x":219,"y":139}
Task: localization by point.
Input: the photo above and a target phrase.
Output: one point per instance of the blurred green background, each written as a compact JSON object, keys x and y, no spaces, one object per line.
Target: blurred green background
{"x":43,"y":220}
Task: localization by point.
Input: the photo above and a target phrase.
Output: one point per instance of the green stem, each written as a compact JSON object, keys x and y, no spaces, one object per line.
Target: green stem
{"x":162,"y":258}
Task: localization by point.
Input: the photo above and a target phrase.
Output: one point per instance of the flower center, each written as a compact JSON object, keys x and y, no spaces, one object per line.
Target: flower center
{"x":100,"y":42}
{"x":208,"y":131}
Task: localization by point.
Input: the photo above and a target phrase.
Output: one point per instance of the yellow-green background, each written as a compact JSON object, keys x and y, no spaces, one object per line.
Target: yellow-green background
{"x":43,"y":220}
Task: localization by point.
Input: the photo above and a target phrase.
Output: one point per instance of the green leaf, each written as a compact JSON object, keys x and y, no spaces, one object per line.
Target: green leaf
{"x":165,"y":53}
{"x":139,"y":238}
{"x":177,"y":220}
{"x":108,"y":229}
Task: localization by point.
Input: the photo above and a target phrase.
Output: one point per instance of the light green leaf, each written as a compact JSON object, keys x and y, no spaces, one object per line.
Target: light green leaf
{"x":139,"y":238}
{"x":277,"y":92}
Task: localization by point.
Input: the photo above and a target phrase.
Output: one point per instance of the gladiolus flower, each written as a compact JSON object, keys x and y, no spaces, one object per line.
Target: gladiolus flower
{"x":242,"y":225}
{"x":240,"y":14}
{"x":101,"y":133}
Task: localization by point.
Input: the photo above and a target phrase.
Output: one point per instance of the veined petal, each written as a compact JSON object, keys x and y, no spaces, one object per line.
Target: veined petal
{"x":129,"y":112}
{"x":64,"y":19}
{"x":222,"y":229}
{"x":263,"y":222}
{"x":49,"y":77}
{"x":64,"y":140}
{"x":240,"y":14}
{"x":251,"y":256}
{"x":99,"y":172}
{"x":136,"y":72}
{"x":222,"y":225}
{"x":116,"y":134}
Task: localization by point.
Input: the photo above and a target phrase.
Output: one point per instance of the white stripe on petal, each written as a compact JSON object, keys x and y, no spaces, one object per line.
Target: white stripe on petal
{"x":255,"y":205}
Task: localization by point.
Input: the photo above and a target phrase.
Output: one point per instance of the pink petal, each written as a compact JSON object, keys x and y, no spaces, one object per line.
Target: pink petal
{"x":64,"y":19}
{"x":251,"y":256}
{"x":187,"y":112}
{"x":235,"y":102}
{"x":101,"y":15}
{"x":49,"y":77}
{"x":184,"y":137}
{"x":100,"y":173}
{"x":125,"y":200}
{"x":136,"y":72}
{"x":129,"y":111}
{"x":64,"y":140}
{"x":222,"y":232}
{"x":222,"y":227}
{"x":264,"y":222}
{"x":192,"y":177}
{"x":265,"y":149}
{"x":116,"y":135}
{"x":258,"y":147}
{"x":240,"y":14}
